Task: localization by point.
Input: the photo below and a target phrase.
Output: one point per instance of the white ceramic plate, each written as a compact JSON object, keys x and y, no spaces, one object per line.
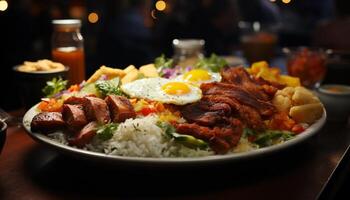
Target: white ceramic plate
{"x":80,"y":153}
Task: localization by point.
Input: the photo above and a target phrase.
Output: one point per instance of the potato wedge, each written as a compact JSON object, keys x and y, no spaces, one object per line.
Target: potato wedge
{"x":109,"y":72}
{"x":282,"y":103}
{"x":131,"y":76}
{"x":129,"y":69}
{"x":303,"y":96}
{"x":307,"y":113}
{"x":149,"y":71}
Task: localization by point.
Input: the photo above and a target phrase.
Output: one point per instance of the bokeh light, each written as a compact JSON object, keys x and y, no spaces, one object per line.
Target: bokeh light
{"x":3,"y":5}
{"x":286,"y":1}
{"x":160,"y":5}
{"x":93,"y":17}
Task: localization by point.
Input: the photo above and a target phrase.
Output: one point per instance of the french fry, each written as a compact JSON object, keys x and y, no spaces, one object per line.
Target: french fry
{"x":109,"y":72}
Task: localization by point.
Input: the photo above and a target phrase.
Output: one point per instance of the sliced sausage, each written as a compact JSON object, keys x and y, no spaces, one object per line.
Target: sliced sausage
{"x":120,"y":108}
{"x":77,"y":100}
{"x":74,"y":116}
{"x":47,"y":122}
{"x":74,"y":100}
{"x":85,"y":135}
{"x":96,"y":109}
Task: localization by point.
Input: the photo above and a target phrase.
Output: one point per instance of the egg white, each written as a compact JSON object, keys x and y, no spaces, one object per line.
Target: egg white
{"x":151,"y":89}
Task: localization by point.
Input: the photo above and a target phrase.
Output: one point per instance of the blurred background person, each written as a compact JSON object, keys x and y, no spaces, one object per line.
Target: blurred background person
{"x":332,"y":33}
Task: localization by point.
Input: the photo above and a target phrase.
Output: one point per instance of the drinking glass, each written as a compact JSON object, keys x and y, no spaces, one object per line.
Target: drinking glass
{"x":258,"y":41}
{"x":308,"y":64}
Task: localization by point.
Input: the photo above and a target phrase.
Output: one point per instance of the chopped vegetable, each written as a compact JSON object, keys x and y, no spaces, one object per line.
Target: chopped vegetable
{"x":105,"y":132}
{"x":50,"y":105}
{"x":214,"y":63}
{"x":74,"y":88}
{"x":147,"y":110}
{"x":186,"y":140}
{"x":54,"y":86}
{"x":106,"y":87}
{"x":162,"y":63}
{"x":268,"y":137}
{"x":90,"y":88}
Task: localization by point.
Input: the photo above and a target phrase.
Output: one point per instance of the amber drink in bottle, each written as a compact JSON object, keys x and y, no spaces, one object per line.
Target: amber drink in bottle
{"x":68,"y":48}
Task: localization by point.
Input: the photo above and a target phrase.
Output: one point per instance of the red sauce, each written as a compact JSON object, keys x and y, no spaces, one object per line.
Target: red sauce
{"x":309,"y":66}
{"x":73,"y":58}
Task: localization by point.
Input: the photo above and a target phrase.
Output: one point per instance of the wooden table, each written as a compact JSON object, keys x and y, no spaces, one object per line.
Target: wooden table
{"x":310,"y":170}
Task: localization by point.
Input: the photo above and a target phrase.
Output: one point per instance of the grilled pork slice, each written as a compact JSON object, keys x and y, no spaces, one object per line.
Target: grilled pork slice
{"x":85,"y":135}
{"x":74,"y":116}
{"x":264,"y":108}
{"x":240,"y":77}
{"x":248,"y":115}
{"x":74,"y":100}
{"x":96,"y":109}
{"x":120,"y":108}
{"x":221,"y":139}
{"x":205,"y":113}
{"x":47,"y":122}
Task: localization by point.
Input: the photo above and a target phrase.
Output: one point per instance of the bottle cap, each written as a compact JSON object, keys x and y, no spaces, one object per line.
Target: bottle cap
{"x":67,"y":23}
{"x":188,"y":44}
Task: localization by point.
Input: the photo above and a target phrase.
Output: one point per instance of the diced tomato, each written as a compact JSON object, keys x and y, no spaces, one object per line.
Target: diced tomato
{"x":298,"y":129}
{"x":147,"y":110}
{"x":51,"y":105}
{"x":281,"y":121}
{"x":159,"y":107}
{"x":74,"y":88}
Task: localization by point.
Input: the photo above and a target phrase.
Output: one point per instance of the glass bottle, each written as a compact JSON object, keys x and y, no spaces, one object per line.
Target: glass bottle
{"x":187,"y":51}
{"x":68,"y":48}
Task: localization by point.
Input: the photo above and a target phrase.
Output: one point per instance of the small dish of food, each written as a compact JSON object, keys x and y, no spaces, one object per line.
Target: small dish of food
{"x":3,"y":128}
{"x":31,"y":77}
{"x":336,"y":99}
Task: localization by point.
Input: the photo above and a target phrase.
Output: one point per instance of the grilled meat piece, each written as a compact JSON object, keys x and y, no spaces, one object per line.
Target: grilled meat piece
{"x":264,"y":108}
{"x":205,"y":113}
{"x":240,"y":77}
{"x":74,"y":100}
{"x":221,"y":139}
{"x":120,"y":108}
{"x":249,"y":115}
{"x":77,"y":100}
{"x":96,"y":109}
{"x":85,"y":135}
{"x":74,"y":116}
{"x":47,"y":122}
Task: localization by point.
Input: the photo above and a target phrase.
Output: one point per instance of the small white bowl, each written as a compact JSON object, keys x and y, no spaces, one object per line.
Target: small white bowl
{"x":336,"y":99}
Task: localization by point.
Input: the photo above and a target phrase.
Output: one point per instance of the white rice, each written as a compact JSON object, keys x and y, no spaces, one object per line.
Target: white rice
{"x":139,"y":137}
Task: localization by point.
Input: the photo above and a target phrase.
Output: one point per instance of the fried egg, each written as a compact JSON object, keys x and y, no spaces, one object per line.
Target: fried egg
{"x":163,"y":90}
{"x":199,"y":76}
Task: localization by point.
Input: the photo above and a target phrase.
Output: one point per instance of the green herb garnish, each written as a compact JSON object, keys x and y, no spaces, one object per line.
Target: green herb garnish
{"x":106,"y":87}
{"x":54,"y":86}
{"x":214,"y":63}
{"x":270,"y":137}
{"x":106,"y":131}
{"x":186,"y":140}
{"x":162,"y":63}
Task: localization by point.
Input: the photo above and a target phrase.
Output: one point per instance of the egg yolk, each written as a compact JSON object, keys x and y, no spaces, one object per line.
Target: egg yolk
{"x":197,"y":75}
{"x":176,"y":88}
